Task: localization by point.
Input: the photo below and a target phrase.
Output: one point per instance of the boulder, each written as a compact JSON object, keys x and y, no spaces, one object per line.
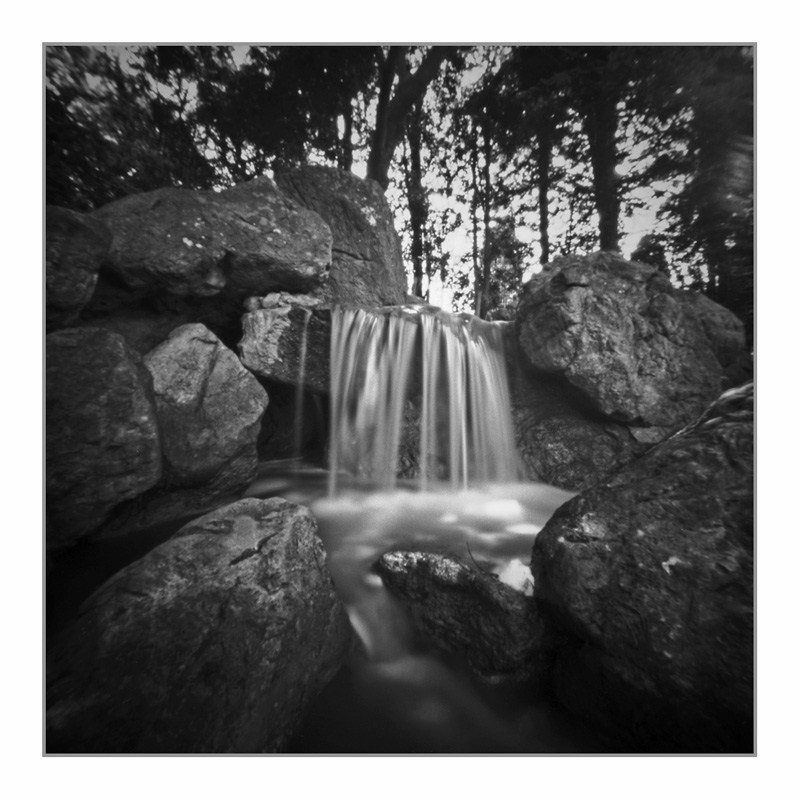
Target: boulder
{"x":249,"y":240}
{"x":641,"y":351}
{"x":102,"y":437}
{"x":465,"y":611}
{"x":560,"y":439}
{"x":724,"y":332}
{"x":367,"y":265}
{"x":650,"y":574}
{"x":215,"y":642}
{"x":141,"y":327}
{"x":568,"y":450}
{"x":282,"y":341}
{"x":76,"y":245}
{"x":209,"y":409}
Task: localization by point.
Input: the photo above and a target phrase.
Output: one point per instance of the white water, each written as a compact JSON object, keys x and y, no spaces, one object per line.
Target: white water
{"x":468,"y":501}
{"x":493,"y":527}
{"x":464,"y":409}
{"x":301,"y":385}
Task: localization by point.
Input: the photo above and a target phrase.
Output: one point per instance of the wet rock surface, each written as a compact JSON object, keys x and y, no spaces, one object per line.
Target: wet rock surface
{"x":469,"y":612}
{"x":214,"y":642}
{"x":650,"y":573}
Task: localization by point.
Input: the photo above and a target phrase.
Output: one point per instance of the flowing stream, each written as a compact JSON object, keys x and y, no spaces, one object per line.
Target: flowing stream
{"x":426,"y":391}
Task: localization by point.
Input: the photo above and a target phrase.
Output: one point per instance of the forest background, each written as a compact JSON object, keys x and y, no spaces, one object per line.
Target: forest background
{"x":494,"y":158}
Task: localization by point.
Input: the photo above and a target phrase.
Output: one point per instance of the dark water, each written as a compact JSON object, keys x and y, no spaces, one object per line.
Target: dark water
{"x":427,"y":704}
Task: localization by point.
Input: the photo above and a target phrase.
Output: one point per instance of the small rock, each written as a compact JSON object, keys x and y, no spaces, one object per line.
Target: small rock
{"x":465,"y":611}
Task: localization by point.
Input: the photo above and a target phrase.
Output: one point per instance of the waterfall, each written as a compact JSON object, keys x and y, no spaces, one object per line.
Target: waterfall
{"x":422,"y":393}
{"x":414,"y":378}
{"x":464,"y":428}
{"x":300,"y":391}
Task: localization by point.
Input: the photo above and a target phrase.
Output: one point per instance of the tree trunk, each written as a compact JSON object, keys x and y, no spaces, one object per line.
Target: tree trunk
{"x":601,"y":129}
{"x":476,"y":264}
{"x":486,"y":200}
{"x":598,"y":94}
{"x":544,"y":149}
{"x":394,"y":107}
{"x":346,"y":149}
{"x":416,"y":195}
{"x":388,"y":73}
{"x":570,"y":227}
{"x":600,"y":118}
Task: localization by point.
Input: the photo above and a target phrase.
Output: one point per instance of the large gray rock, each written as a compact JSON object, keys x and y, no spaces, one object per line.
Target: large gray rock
{"x":468,"y":612}
{"x":724,"y":333}
{"x":141,"y":329}
{"x":76,"y":245}
{"x":567,"y":450}
{"x":367,"y":268}
{"x":249,"y":240}
{"x":643,"y":353}
{"x":102,"y":437}
{"x":209,"y":408}
{"x":650,"y":574}
{"x":274,"y":340}
{"x":559,"y":440}
{"x":214,"y":642}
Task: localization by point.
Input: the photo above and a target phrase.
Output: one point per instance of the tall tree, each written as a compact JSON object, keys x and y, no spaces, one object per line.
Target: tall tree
{"x":283,"y":103}
{"x":416,"y":197}
{"x":400,"y":89}
{"x":534,"y":79}
{"x":596,"y":85}
{"x":701,"y":98}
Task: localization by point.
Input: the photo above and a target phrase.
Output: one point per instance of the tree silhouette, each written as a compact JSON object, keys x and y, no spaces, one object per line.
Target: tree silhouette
{"x":491,"y":155}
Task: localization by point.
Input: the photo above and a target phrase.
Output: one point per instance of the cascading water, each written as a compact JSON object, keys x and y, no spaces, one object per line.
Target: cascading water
{"x":465,"y":417}
{"x":301,"y":386}
{"x":415,"y":384}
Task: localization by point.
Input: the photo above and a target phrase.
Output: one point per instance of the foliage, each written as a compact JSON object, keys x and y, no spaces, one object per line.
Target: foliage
{"x":495,"y":159}
{"x":108,"y":135}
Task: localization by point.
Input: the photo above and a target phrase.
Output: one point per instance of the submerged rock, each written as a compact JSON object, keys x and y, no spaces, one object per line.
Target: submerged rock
{"x":367,"y":263}
{"x":650,"y":573}
{"x":214,"y":642}
{"x":75,"y":247}
{"x":209,"y":408}
{"x":468,"y":612}
{"x":642,"y":352}
{"x":102,"y":437}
